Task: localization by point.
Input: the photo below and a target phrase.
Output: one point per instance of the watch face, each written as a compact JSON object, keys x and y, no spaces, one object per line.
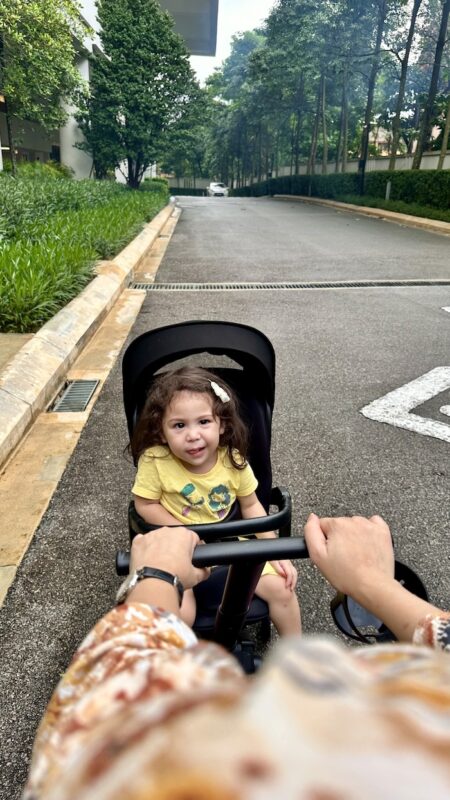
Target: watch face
{"x":126,"y":587}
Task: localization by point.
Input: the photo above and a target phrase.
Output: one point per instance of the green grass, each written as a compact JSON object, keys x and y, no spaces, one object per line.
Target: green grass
{"x":400,"y":206}
{"x":51,"y":234}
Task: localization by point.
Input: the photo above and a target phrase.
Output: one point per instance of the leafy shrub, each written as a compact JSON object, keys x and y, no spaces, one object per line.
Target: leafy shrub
{"x":157,"y":181}
{"x":400,"y":206}
{"x":155,"y":185}
{"x":181,"y":191}
{"x":39,"y":169}
{"x":25,"y":201}
{"x":53,"y":232}
{"x":423,"y":187}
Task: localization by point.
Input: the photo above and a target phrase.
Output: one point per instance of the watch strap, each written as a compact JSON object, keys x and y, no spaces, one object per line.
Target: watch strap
{"x":149,"y":572}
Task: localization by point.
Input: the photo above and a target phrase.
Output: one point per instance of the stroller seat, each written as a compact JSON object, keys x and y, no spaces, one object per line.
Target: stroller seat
{"x":252,"y":377}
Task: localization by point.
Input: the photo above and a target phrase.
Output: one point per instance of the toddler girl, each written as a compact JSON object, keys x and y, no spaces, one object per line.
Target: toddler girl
{"x":191,"y":448}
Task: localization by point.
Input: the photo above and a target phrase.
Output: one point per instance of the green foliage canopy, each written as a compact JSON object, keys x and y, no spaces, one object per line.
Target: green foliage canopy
{"x":323,"y":81}
{"x":37,"y":57}
{"x":140,"y":85}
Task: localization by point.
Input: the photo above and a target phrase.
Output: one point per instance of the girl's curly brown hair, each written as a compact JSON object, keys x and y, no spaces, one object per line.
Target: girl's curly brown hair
{"x":148,"y":431}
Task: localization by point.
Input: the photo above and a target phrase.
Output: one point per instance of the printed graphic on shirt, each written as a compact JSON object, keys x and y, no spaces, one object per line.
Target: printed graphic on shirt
{"x":192,"y":496}
{"x":219,"y":500}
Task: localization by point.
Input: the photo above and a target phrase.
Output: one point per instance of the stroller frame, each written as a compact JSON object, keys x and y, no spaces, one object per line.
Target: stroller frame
{"x":254,"y":354}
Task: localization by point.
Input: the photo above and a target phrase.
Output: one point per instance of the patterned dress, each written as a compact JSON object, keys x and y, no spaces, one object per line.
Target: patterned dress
{"x":146,"y":712}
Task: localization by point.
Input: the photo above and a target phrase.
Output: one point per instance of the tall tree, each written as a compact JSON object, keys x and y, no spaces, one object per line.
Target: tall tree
{"x":382,"y":10}
{"x":37,"y":60}
{"x":320,"y":79}
{"x":139,"y":86}
{"x":183,"y":145}
{"x":445,"y":138}
{"x":427,"y":116}
{"x":404,"y":62}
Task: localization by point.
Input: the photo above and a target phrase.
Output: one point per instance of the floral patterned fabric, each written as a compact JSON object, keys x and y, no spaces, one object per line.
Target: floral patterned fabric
{"x":147,"y":712}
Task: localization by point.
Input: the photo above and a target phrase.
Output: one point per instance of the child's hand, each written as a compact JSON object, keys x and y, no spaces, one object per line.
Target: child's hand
{"x":287,"y":571}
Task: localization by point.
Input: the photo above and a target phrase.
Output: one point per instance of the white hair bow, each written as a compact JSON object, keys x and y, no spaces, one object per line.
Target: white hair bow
{"x":219,"y":392}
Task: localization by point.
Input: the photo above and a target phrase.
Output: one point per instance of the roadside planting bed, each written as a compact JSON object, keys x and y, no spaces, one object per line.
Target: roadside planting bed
{"x":53,"y":230}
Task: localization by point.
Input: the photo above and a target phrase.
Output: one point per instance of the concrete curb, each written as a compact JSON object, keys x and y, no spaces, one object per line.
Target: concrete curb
{"x":434,"y":225}
{"x":33,"y":376}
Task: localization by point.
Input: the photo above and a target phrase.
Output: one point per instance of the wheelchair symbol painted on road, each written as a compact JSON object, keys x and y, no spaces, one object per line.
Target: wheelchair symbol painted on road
{"x":395,"y":408}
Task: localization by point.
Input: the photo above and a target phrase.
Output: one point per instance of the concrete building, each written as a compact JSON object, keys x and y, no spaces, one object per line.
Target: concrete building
{"x":195,"y":21}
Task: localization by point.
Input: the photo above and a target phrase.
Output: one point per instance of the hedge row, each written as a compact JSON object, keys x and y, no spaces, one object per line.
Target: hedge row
{"x":423,"y":187}
{"x":182,"y":191}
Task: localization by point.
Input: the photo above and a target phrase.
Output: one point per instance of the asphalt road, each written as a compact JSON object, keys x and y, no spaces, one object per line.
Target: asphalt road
{"x":235,"y":239}
{"x":337,"y":350}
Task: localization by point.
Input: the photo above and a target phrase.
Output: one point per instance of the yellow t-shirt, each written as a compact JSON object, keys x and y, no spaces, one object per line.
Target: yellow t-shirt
{"x":195,"y":498}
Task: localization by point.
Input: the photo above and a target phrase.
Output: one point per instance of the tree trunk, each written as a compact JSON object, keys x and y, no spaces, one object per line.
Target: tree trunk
{"x":415,"y":125}
{"x":12,"y":147}
{"x":276,"y":154}
{"x":132,"y":179}
{"x":315,"y":133}
{"x":445,"y":136}
{"x":299,"y":103}
{"x":382,"y":11}
{"x":324,"y":129}
{"x":425,"y":128}
{"x":341,"y":131}
{"x":401,"y":89}
{"x":291,"y":165}
{"x":260,"y":154}
{"x":345,"y":134}
{"x":297,"y":143}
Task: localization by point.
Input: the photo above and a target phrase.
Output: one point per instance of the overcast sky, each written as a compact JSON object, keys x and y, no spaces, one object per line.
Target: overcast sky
{"x":234,"y":16}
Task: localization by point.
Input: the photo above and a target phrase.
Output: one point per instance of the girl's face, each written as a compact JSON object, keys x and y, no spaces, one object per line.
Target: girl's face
{"x":191,"y":430}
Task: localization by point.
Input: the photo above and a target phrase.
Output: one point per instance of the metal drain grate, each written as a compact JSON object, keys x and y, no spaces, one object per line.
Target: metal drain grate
{"x":287,"y":286}
{"x":75,"y":396}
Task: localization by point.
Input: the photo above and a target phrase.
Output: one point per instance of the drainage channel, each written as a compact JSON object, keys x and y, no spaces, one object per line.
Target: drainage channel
{"x":75,"y":396}
{"x":287,"y":285}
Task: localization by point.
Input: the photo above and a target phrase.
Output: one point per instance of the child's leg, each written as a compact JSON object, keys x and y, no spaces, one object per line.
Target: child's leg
{"x":188,"y":608}
{"x":284,"y":609}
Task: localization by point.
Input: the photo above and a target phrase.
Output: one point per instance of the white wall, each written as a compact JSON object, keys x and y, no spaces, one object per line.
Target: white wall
{"x":79,"y":161}
{"x":70,"y":134}
{"x":189,"y":183}
{"x":89,"y":13}
{"x":429,"y":161}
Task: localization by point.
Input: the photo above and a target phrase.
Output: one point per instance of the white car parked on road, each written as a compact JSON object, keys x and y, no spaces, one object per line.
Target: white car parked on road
{"x":217,"y":190}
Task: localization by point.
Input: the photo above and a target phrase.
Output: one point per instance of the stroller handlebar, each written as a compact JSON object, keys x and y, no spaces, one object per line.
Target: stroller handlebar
{"x":214,"y":552}
{"x":218,"y":553}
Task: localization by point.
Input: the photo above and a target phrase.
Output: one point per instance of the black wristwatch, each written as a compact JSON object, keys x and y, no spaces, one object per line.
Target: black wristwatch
{"x":148,"y":572}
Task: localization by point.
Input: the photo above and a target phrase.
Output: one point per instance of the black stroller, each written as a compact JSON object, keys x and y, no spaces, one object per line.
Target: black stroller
{"x":226,"y":604}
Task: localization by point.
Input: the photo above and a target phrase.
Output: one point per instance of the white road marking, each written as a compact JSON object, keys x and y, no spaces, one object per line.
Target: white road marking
{"x":395,"y":407}
{"x":446,"y":308}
